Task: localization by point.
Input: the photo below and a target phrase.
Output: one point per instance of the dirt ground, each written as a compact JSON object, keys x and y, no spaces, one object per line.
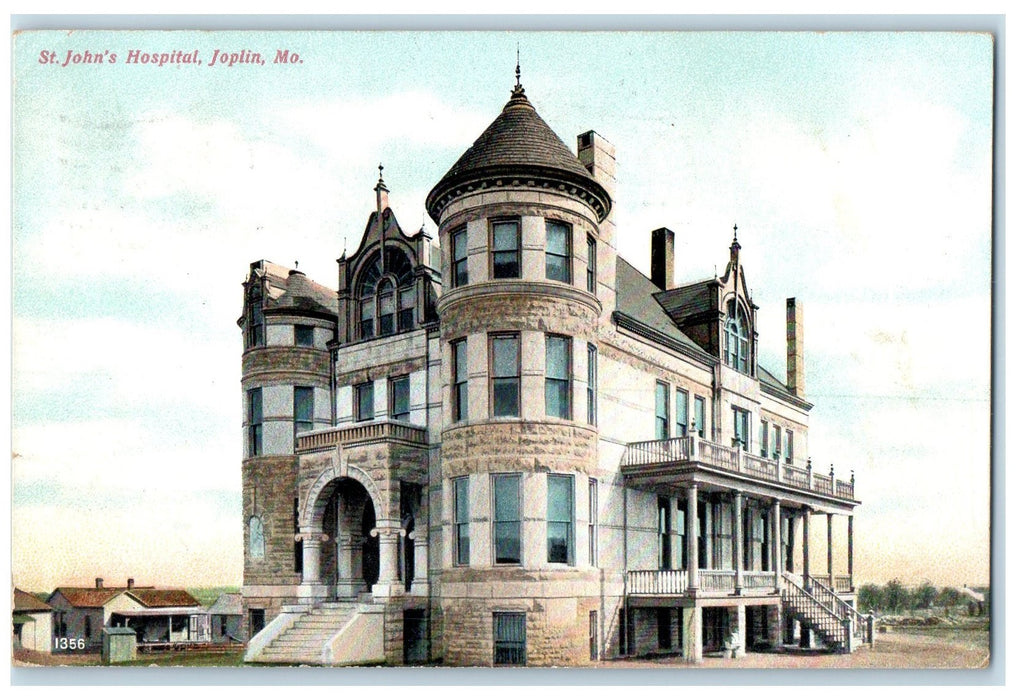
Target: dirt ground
{"x":911,"y":649}
{"x":924,"y":649}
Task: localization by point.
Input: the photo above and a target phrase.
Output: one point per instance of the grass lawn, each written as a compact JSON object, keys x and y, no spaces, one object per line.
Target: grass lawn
{"x":189,"y":658}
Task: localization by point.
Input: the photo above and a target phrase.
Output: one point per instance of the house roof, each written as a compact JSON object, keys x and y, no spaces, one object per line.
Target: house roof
{"x":518,"y":141}
{"x":25,"y":602}
{"x":291,"y":289}
{"x":87,"y":597}
{"x":227,"y":604}
{"x":636,"y":298}
{"x":688,"y":300}
{"x":163,"y":597}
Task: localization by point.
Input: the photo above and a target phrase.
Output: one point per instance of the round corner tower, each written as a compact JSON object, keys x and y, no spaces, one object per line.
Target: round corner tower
{"x":528,"y":275}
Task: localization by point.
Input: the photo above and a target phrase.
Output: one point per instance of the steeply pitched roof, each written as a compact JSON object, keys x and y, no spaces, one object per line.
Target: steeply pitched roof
{"x":26,"y":602}
{"x":689,"y":300}
{"x":163,"y":597}
{"x":294,"y":290}
{"x":636,"y":298}
{"x":517,"y":142}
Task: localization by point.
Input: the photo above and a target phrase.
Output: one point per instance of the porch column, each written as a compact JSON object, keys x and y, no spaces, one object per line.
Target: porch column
{"x":738,"y":541}
{"x":708,"y":535}
{"x":311,"y":543}
{"x":348,"y":575}
{"x":692,"y":634}
{"x":791,"y":526}
{"x":829,"y":548}
{"x":777,"y":541}
{"x":691,"y":544}
{"x":421,"y":561}
{"x":850,"y":550}
{"x":388,"y":583}
{"x":806,"y":517}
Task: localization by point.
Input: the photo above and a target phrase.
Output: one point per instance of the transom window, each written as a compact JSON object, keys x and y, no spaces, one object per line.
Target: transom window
{"x":735,"y":335}
{"x":387,"y":298}
{"x":504,"y":249}
{"x":558,"y":251}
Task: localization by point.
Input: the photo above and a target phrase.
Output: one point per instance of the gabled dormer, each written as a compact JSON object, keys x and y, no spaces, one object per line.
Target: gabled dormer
{"x":388,"y":285}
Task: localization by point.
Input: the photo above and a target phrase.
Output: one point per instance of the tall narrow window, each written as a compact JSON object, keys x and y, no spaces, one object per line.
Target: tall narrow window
{"x":591,"y":392}
{"x":558,"y":380}
{"x":735,"y":335}
{"x":507,"y":519}
{"x":460,"y":257}
{"x":788,"y":453}
{"x":509,"y":639}
{"x":594,"y":521}
{"x":723,"y":524}
{"x":461,"y":510}
{"x":386,"y":307}
{"x":256,"y":538}
{"x":303,"y":410}
{"x":558,"y":251}
{"x":297,"y":546}
{"x":398,"y":397}
{"x":700,"y":416}
{"x":679,"y":534}
{"x":303,"y":335}
{"x":777,"y":442}
{"x":559,"y":518}
{"x":460,"y":384}
{"x":662,"y":411}
{"x":591,"y":265}
{"x":681,"y":412}
{"x":367,"y":317}
{"x":663,"y":533}
{"x":256,"y":320}
{"x":742,"y":428}
{"x":504,"y":375}
{"x":763,"y":436}
{"x":407,"y":308}
{"x":504,"y":249}
{"x":254,"y":421}
{"x":594,"y":636}
{"x":364,"y":401}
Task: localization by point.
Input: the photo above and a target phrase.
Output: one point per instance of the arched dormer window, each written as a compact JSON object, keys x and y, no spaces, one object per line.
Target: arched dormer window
{"x":387,"y":298}
{"x":735,"y":335}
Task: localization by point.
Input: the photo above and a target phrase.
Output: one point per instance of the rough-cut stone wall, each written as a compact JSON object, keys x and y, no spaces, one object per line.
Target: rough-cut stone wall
{"x":517,"y":309}
{"x":518,"y":445}
{"x":272,"y":480}
{"x":273,"y":362}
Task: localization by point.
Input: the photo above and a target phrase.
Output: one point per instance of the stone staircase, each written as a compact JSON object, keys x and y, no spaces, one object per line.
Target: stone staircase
{"x":307,"y":640}
{"x":838,"y":625}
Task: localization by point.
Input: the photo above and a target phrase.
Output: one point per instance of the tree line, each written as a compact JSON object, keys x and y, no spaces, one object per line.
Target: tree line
{"x":894,"y":597}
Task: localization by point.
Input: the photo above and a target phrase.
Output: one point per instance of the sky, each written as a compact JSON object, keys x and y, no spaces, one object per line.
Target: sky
{"x":857,"y":167}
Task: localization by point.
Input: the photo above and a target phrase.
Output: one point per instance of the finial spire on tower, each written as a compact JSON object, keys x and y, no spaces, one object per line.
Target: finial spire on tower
{"x":518,"y":90}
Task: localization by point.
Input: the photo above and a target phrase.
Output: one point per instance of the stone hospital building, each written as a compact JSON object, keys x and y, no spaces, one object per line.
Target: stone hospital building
{"x":507,"y":446}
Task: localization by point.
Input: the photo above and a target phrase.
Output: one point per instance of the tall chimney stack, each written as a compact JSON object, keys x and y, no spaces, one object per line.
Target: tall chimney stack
{"x":98,"y":583}
{"x":130,"y":583}
{"x":661,"y":265}
{"x":795,"y":347}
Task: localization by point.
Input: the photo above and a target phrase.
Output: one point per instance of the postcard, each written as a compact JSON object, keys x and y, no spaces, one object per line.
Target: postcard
{"x":586,"y":349}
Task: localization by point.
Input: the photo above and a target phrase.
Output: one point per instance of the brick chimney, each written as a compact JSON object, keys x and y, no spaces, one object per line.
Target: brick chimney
{"x":98,"y":583}
{"x":598,"y":156}
{"x":130,"y":583}
{"x":661,"y":265}
{"x":795,"y":347}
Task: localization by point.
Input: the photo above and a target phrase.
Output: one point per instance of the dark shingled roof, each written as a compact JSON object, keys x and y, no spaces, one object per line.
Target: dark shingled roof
{"x":87,"y":597}
{"x":691,"y":299}
{"x":26,"y":602}
{"x":636,"y":298}
{"x":291,"y":289}
{"x":517,"y":142}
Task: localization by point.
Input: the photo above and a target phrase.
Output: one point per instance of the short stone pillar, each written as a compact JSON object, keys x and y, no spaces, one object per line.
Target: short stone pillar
{"x":734,"y":644}
{"x":691,"y":634}
{"x":119,"y":644}
{"x":774,"y":624}
{"x":349,"y":564}
{"x":388,"y":583}
{"x":311,"y":543}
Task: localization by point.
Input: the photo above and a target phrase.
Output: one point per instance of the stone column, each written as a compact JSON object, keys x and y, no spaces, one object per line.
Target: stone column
{"x":388,"y":583}
{"x":348,"y":575}
{"x":691,"y":544}
{"x":311,"y":557}
{"x":738,"y":541}
{"x":806,"y":536}
{"x":692,"y":634}
{"x":850,"y":549}
{"x":777,"y":542}
{"x":421,"y":562}
{"x":829,"y":548}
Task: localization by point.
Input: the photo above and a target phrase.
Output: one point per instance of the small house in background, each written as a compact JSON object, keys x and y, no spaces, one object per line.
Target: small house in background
{"x":168,"y":617}
{"x":81,"y":613}
{"x":33,"y":622}
{"x":226,"y":617}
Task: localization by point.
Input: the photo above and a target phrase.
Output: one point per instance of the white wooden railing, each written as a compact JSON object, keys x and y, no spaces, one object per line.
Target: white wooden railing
{"x":732,"y":459}
{"x":654,"y":582}
{"x":758,"y":579}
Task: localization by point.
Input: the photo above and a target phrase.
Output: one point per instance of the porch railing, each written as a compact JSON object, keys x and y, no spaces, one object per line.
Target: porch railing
{"x":692,"y":449}
{"x":717,"y":580}
{"x":842,"y":608}
{"x":359,"y":433}
{"x":657,"y":582}
{"x":758,"y":579}
{"x":844,"y":583}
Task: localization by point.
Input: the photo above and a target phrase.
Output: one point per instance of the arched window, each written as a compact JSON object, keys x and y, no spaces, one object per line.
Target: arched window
{"x":735,"y":335}
{"x":257,"y":538}
{"x":387,"y":298}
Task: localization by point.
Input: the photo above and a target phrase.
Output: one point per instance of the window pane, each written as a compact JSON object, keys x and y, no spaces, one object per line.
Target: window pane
{"x":461,"y":500}
{"x":681,"y":416}
{"x":591,"y":265}
{"x":365,"y":401}
{"x":506,"y":497}
{"x":459,"y":244}
{"x":700,"y":415}
{"x":304,"y":335}
{"x":506,"y":236}
{"x":507,"y":535}
{"x":591,"y":384}
{"x":662,"y":411}
{"x":400,"y":398}
{"x":510,"y":639}
{"x":506,"y":356}
{"x":559,"y":497}
{"x":255,"y":406}
{"x":506,"y":397}
{"x":558,"y":536}
{"x":558,"y":398}
{"x":557,"y":356}
{"x":557,"y":238}
{"x":303,"y":403}
{"x":506,"y":265}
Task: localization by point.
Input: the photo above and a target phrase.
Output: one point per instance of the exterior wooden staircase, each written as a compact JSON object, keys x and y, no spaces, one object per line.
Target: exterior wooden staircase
{"x":334,"y":633}
{"x":838,"y":624}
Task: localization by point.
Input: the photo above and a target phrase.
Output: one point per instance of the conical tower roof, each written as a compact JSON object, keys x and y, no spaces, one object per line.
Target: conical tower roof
{"x":518,"y":143}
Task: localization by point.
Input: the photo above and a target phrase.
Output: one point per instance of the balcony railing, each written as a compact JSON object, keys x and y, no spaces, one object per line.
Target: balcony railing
{"x":674,"y":582}
{"x":693,"y":449}
{"x":360,"y":433}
